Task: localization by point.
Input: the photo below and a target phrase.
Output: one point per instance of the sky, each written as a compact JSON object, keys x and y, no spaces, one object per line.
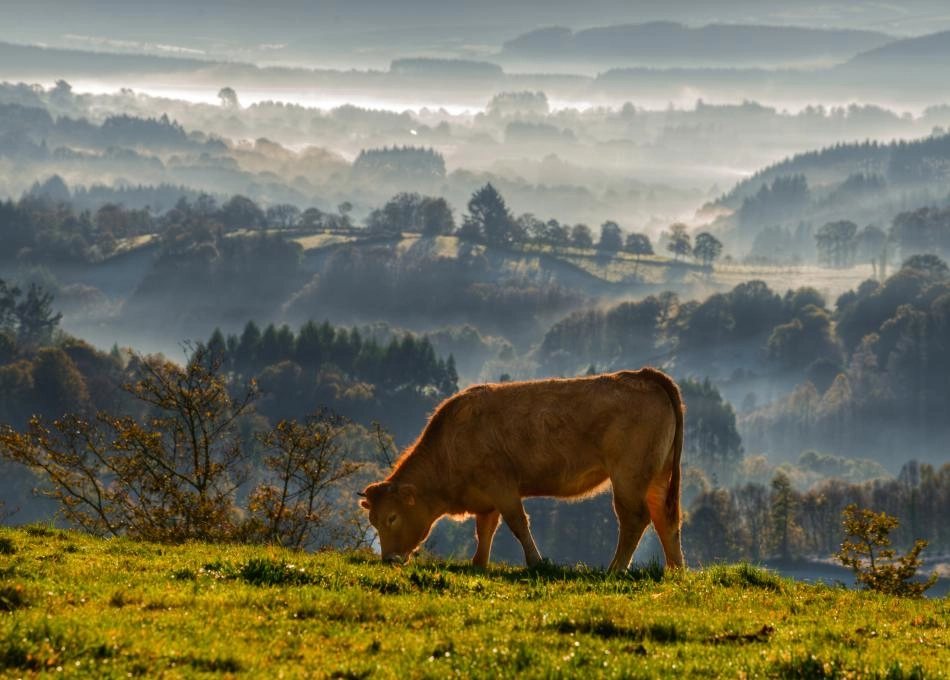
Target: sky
{"x":217,"y":26}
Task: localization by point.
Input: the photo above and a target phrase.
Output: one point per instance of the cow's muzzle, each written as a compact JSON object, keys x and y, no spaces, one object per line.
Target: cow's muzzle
{"x":394,"y":558}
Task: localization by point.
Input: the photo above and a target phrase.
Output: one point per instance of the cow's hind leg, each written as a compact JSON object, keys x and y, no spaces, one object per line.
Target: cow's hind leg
{"x":517,"y":521}
{"x":485,"y":526}
{"x":667,"y":526}
{"x":632,"y":518}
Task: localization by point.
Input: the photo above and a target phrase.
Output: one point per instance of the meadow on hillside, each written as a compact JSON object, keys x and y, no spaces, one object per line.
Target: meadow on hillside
{"x":73,"y":605}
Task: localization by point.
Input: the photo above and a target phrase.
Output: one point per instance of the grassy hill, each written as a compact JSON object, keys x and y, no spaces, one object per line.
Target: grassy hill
{"x":74,"y":605}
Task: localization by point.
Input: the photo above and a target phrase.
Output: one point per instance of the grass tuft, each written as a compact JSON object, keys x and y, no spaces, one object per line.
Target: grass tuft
{"x":13,"y":596}
{"x":7,"y":547}
{"x":429,"y":582}
{"x":606,"y":629}
{"x":746,"y":576}
{"x":808,"y":667}
{"x":225,"y":664}
{"x":267,"y":572}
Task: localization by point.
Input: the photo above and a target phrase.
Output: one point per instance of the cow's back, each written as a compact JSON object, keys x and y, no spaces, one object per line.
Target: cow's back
{"x":559,"y":437}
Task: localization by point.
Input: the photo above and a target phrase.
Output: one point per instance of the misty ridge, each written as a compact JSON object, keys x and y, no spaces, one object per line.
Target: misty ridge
{"x":762,"y":211}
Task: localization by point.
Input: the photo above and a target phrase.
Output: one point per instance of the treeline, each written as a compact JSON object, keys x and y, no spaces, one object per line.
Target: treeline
{"x":45,"y":371}
{"x":757,"y":521}
{"x":898,"y":162}
{"x":775,"y":221}
{"x":795,"y":329}
{"x":406,"y":160}
{"x":44,"y":225}
{"x":322,"y":365}
{"x":51,"y":223}
{"x":33,"y":133}
{"x":490,"y":221}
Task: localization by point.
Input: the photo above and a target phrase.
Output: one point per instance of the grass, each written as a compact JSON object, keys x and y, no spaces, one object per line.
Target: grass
{"x":73,"y":605}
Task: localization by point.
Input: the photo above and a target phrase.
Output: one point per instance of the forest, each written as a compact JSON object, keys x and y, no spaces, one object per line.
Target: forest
{"x":860,"y":376}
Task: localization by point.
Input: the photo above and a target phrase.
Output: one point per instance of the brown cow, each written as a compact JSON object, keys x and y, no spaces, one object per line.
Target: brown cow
{"x":489,"y":446}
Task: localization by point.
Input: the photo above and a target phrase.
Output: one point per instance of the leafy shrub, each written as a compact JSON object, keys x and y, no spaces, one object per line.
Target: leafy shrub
{"x":865,"y":550}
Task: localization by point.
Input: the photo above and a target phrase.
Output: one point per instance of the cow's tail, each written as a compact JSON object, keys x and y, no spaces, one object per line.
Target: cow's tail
{"x":676,"y":399}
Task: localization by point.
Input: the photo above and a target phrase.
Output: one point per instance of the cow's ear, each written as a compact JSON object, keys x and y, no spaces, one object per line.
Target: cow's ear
{"x":364,"y":503}
{"x":407,"y":493}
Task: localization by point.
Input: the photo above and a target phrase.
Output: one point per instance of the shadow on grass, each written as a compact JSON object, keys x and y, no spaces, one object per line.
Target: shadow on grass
{"x":545,"y":571}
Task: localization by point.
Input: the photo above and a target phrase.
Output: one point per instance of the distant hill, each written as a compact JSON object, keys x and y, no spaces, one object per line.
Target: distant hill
{"x":927,"y":52}
{"x":672,"y":44}
{"x":902,"y":163}
{"x":458,"y":68}
{"x":23,"y":61}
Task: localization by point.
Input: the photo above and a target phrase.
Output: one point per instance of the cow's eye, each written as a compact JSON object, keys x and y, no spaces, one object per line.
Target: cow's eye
{"x":392,"y":519}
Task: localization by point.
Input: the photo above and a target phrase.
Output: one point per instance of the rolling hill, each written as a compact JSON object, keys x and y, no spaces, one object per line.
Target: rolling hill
{"x":664,"y":44}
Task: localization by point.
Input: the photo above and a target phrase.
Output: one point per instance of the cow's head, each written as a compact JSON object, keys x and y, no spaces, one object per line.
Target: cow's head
{"x":399,"y":516}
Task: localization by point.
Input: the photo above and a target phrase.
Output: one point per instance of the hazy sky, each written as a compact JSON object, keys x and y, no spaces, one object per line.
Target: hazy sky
{"x":370,"y":33}
{"x":276,"y":20}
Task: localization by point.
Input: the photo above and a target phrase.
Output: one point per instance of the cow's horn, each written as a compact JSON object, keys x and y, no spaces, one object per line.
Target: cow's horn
{"x":361,"y":494}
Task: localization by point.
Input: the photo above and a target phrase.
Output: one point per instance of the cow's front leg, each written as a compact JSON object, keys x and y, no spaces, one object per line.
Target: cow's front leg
{"x":485,"y":525}
{"x":517,"y":521}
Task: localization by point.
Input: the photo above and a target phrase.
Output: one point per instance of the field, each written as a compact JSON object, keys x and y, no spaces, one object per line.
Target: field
{"x":72,"y":605}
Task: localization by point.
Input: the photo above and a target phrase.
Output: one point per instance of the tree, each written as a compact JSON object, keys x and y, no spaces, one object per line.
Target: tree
{"x":752,"y":503}
{"x":229,"y":98}
{"x":378,"y":223}
{"x":518,"y":103}
{"x":866,"y":551}
{"x":925,"y":230}
{"x":8,"y":305}
{"x":557,"y":234}
{"x":581,"y":236}
{"x":57,"y":383}
{"x":712,"y":440}
{"x":175,"y":468}
{"x":805,"y":339}
{"x":436,"y":217}
{"x":711,"y":529}
{"x":35,"y":318}
{"x":303,"y":462}
{"x":29,"y":320}
{"x":871,"y":242}
{"x":638,"y":244}
{"x":929,"y":264}
{"x":403,"y":212}
{"x":611,"y":238}
{"x":679,"y":241}
{"x":311,"y":218}
{"x":708,"y":248}
{"x":784,"y":529}
{"x":488,"y":215}
{"x":169,"y":477}
{"x":283,"y":215}
{"x":241,"y":212}
{"x":836,"y":243}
